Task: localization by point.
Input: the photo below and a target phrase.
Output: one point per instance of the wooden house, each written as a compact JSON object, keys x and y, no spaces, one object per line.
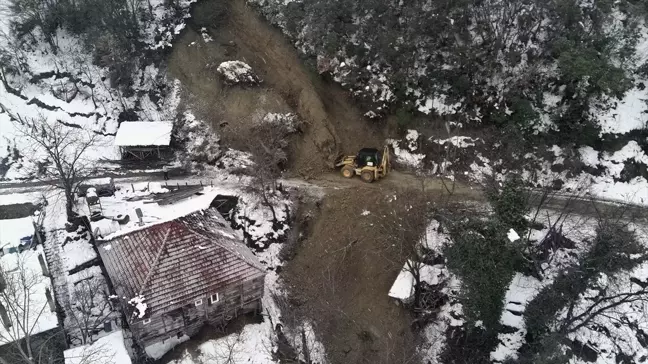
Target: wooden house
{"x":174,"y":277}
{"x":143,"y":139}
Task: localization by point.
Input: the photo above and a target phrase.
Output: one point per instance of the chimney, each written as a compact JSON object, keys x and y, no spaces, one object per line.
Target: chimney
{"x":50,"y":301}
{"x":41,"y":260}
{"x":138,"y":211}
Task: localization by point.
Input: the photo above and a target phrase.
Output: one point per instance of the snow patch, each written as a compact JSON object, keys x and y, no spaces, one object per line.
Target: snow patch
{"x":157,"y":350}
{"x":406,"y":156}
{"x":139,"y":305}
{"x":513,"y":236}
{"x":236,"y":72}
{"x":520,"y":292}
{"x":458,"y":141}
{"x":109,"y":349}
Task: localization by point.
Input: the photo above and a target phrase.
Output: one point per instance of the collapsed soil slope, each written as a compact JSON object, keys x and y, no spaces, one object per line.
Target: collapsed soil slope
{"x":332,"y":124}
{"x":349,"y":255}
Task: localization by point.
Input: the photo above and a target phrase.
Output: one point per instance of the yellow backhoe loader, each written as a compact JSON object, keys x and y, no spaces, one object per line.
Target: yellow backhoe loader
{"x":370,"y":164}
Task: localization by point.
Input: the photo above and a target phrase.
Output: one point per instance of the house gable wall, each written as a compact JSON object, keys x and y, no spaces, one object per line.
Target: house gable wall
{"x":187,"y":320}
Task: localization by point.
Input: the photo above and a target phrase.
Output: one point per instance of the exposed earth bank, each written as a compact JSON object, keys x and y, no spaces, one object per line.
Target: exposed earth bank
{"x":331,"y":123}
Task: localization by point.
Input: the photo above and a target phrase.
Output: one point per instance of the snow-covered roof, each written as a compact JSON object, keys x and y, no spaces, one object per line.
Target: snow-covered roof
{"x":38,"y":316}
{"x":12,"y":230}
{"x":18,"y":198}
{"x":143,"y":133}
{"x":109,"y":349}
{"x":171,"y":263}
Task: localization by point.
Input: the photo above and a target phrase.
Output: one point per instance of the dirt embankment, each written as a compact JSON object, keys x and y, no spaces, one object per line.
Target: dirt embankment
{"x":339,"y":278}
{"x":332,"y":123}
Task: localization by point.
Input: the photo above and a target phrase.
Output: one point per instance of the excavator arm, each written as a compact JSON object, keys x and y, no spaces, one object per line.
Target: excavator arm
{"x":384,"y":166}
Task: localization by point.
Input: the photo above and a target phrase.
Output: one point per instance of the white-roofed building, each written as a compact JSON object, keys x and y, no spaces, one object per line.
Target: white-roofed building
{"x":143,"y":139}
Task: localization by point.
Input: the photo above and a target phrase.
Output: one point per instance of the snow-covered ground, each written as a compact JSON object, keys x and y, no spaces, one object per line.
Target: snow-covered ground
{"x":251,"y":215}
{"x":451,"y":312}
{"x":108,"y":349}
{"x":406,"y":150}
{"x":610,"y":183}
{"x":520,"y":292}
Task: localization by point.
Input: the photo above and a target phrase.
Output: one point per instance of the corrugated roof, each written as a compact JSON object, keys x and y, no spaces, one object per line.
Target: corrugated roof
{"x":143,"y":133}
{"x":200,"y":256}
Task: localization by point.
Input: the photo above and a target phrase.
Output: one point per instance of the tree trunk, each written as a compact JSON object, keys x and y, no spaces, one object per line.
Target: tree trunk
{"x":267,"y":202}
{"x":69,"y":203}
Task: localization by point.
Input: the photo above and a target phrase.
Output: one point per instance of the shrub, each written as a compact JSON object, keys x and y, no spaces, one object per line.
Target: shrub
{"x":211,"y":14}
{"x":404,"y":117}
{"x":615,"y":248}
{"x":521,"y":114}
{"x":510,"y":203}
{"x":541,"y":311}
{"x":578,"y":62}
{"x":478,"y":247}
{"x":468,"y":345}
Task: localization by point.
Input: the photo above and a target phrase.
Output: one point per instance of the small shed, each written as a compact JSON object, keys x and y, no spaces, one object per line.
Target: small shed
{"x":143,"y":139}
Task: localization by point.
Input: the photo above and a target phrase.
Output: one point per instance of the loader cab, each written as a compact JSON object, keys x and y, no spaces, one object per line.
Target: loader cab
{"x":368,"y":157}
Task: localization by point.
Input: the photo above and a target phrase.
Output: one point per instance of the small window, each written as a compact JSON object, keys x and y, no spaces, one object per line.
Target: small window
{"x":146,"y":321}
{"x":198,"y":302}
{"x":214,"y":298}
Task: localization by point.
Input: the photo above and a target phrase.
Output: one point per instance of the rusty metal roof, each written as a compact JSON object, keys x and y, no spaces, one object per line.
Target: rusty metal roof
{"x":173,"y":263}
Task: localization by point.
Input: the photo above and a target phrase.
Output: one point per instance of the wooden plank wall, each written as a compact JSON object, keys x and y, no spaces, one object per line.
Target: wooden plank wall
{"x":233,"y":301}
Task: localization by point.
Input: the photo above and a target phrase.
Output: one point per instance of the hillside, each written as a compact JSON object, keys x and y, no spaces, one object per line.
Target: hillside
{"x":511,"y":227}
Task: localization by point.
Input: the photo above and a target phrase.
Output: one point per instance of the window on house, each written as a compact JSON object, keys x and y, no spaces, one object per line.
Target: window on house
{"x":198,"y":302}
{"x":214,"y":298}
{"x":146,"y":321}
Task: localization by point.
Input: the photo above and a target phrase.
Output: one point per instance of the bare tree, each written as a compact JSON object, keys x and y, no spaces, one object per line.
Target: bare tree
{"x":92,"y":354}
{"x":27,"y":308}
{"x":25,"y":300}
{"x":89,"y":308}
{"x":295,"y":336}
{"x":63,"y":148}
{"x":267,"y":143}
{"x":228,"y":349}
{"x":38,"y":13}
